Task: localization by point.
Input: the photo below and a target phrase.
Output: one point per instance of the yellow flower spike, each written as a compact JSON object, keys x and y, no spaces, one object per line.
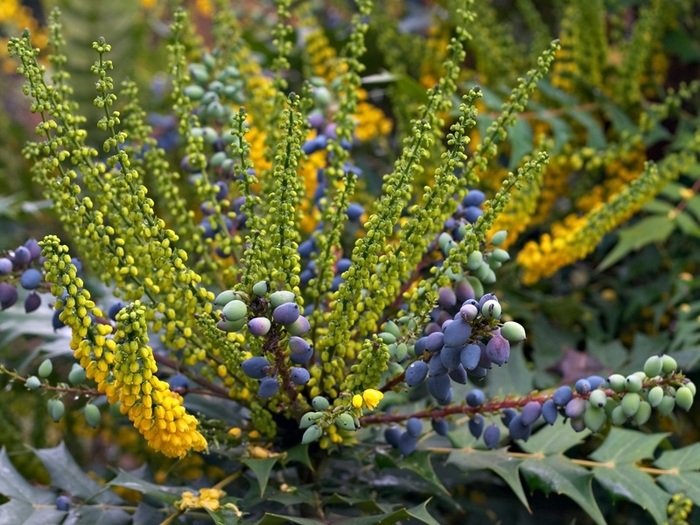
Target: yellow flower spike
{"x":372,"y":398}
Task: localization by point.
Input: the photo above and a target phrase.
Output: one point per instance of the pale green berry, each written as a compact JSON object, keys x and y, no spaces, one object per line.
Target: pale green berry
{"x":32,"y":383}
{"x":684,"y":398}
{"x":597,"y":399}
{"x":513,"y":332}
{"x":345,"y":421}
{"x":392,"y":328}
{"x":630,"y":403}
{"x":691,"y":386}
{"x":633,"y":383}
{"x":311,"y":434}
{"x":225,"y":297}
{"x":261,"y":288}
{"x":653,"y":366}
{"x":656,"y":395}
{"x":320,"y":403}
{"x":309,"y":418}
{"x":235,"y":310}
{"x":475,"y":260}
{"x":500,"y":255}
{"x":617,"y":382}
{"x":92,"y":415}
{"x":499,"y":237}
{"x":45,"y":368}
{"x":594,"y":418}
{"x":667,"y":405}
{"x":56,"y":409}
{"x":669,"y":365}
{"x":618,"y":416}
{"x":643,"y":413}
{"x":387,"y":337}
{"x":281,"y":297}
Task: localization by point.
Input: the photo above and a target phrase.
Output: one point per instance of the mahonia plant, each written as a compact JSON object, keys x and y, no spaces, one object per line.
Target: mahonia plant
{"x":265,"y":279}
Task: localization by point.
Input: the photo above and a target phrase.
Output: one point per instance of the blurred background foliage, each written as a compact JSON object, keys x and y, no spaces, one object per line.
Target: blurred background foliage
{"x":636,"y":294}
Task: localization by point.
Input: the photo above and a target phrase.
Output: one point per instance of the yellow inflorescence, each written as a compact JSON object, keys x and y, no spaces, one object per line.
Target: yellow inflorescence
{"x":209,"y":499}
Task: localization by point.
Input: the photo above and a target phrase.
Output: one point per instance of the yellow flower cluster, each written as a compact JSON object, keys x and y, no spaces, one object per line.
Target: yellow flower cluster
{"x":576,"y":237}
{"x":208,"y":499}
{"x":371,"y":398}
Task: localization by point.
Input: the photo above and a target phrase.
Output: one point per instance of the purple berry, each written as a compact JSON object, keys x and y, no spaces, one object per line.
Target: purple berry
{"x":474,"y":198}
{"x":472,"y":214}
{"x":531,"y":412}
{"x":450,"y":357}
{"x":492,"y":435}
{"x":299,"y":327}
{"x":583,"y":387}
{"x":518,"y":430}
{"x":464,"y":291}
{"x":407,"y":444}
{"x":476,"y":425}
{"x":179,"y":383}
{"x":440,"y":426}
{"x":596,"y":382}
{"x":435,"y":342}
{"x":259,"y":326}
{"x":562,"y":395}
{"x":22,"y":256}
{"x":439,"y":387}
{"x":298,"y":345}
{"x":446,"y":297}
{"x":255,"y":367}
{"x":475,"y":398}
{"x":32,"y":302}
{"x":414,"y":427}
{"x":487,"y":297}
{"x":5,"y":266}
{"x":8,"y":295}
{"x":285,"y":314}
{"x":470,"y":356}
{"x":498,"y":350}
{"x":299,"y":376}
{"x":34,"y":249}
{"x":30,"y":279}
{"x":508,"y":415}
{"x":575,"y":408}
{"x":268,"y":387}
{"x":457,"y":333}
{"x":435,"y":367}
{"x":392,"y":435}
{"x":458,"y":375}
{"x":62,"y":503}
{"x":416,"y":373}
{"x":355,"y":211}
{"x":300,"y":359}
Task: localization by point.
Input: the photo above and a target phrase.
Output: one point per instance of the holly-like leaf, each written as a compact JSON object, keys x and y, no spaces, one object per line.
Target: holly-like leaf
{"x":419,"y":462}
{"x":683,"y":459}
{"x":20,"y":513}
{"x":419,"y":513}
{"x":652,"y":229}
{"x":15,"y":487}
{"x":515,"y":378}
{"x":686,"y":482}
{"x":560,"y":475}
{"x":497,"y":461}
{"x":67,"y":475}
{"x":163,"y":493}
{"x":624,"y":446}
{"x":521,"y":142}
{"x":554,"y":439}
{"x":278,"y":519}
{"x":97,"y":515}
{"x":261,"y":468}
{"x":627,"y":482}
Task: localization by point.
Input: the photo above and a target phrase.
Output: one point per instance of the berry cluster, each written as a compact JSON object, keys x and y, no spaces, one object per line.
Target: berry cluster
{"x":16,"y":267}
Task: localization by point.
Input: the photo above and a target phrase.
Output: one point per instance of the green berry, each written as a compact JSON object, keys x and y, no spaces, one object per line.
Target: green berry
{"x":499,"y":237}
{"x":653,"y":366}
{"x":32,"y":383}
{"x":669,"y":365}
{"x":56,"y":409}
{"x":401,"y":351}
{"x":193,"y":92}
{"x":92,"y":415}
{"x":392,"y":328}
{"x":617,"y":382}
{"x":684,"y":398}
{"x":261,"y":288}
{"x":345,"y":421}
{"x":491,"y":310}
{"x":667,"y":405}
{"x":311,"y":434}
{"x":643,"y":413}
{"x":597,"y":399}
{"x":594,"y":418}
{"x":309,"y":418}
{"x":500,"y":255}
{"x":691,"y":386}
{"x":513,"y":332}
{"x":633,"y":383}
{"x":320,"y":403}
{"x":475,"y":260}
{"x":618,"y":416}
{"x":225,"y":297}
{"x":77,"y":375}
{"x":114,"y":410}
{"x":387,"y":337}
{"x":45,"y":368}
{"x":656,"y":395}
{"x":281,"y":297}
{"x":235,"y":310}
{"x":630,"y":403}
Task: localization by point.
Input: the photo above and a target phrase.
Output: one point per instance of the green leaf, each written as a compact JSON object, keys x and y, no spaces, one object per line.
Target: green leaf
{"x":658,"y":206}
{"x":497,"y":461}
{"x":560,"y":129}
{"x":515,"y":378}
{"x":620,"y":121}
{"x":300,"y":454}
{"x":67,"y":475}
{"x":627,"y":482}
{"x":558,"y":474}
{"x":554,"y":439}
{"x":687,"y":224}
{"x":521,"y":142}
{"x":14,"y":486}
{"x":163,"y":493}
{"x":419,"y":462}
{"x":686,"y":458}
{"x":224,"y":516}
{"x":19,"y":512}
{"x":365,"y":505}
{"x":261,"y":468}
{"x":693,"y":204}
{"x":412,"y":89}
{"x":686,"y":482}
{"x":278,"y":519}
{"x":596,"y":136}
{"x":650,"y":229}
{"x":419,"y":513}
{"x":97,"y":515}
{"x":627,"y":446}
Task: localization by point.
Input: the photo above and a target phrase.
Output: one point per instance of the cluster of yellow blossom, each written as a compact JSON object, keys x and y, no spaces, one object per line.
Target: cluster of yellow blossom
{"x":209,"y":499}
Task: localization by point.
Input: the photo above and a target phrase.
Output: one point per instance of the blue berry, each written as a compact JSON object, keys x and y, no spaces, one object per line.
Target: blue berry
{"x":440,"y":426}
{"x":457,"y":333}
{"x":115,"y":309}
{"x":472,"y":214}
{"x":435,"y":367}
{"x":62,"y":503}
{"x":300,"y":359}
{"x":475,"y":398}
{"x":414,"y":427}
{"x":268,"y":387}
{"x":306,"y":248}
{"x":8,"y":295}
{"x":30,"y":279}
{"x":549,"y":411}
{"x":440,"y":388}
{"x":5,"y":266}
{"x":22,"y":256}
{"x":255,"y":367}
{"x":416,"y":373}
{"x":531,"y":413}
{"x":286,"y":314}
{"x":470,"y":356}
{"x":474,"y":198}
{"x":498,"y":350}
{"x":392,"y":435}
{"x":476,"y":425}
{"x":56,"y":322}
{"x":407,"y":444}
{"x":596,"y":382}
{"x":354,"y":212}
{"x":34,"y":249}
{"x":179,"y":382}
{"x":583,"y":386}
{"x":450,"y":357}
{"x":518,"y":430}
{"x":492,"y":435}
{"x":458,"y":375}
{"x":299,"y":376}
{"x":562,"y":395}
{"x":508,"y":415}
{"x":32,"y":302}
{"x":343,"y":265}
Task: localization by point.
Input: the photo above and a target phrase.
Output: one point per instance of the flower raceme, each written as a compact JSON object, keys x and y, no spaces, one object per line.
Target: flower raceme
{"x":123,"y":370}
